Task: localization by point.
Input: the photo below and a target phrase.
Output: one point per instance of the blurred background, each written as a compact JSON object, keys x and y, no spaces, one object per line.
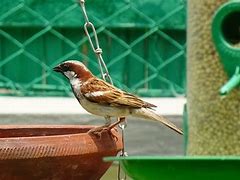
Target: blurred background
{"x":143,"y":46}
{"x":143,"y":43}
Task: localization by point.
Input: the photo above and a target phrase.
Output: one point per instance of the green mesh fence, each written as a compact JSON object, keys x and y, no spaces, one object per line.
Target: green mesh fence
{"x":143,"y":44}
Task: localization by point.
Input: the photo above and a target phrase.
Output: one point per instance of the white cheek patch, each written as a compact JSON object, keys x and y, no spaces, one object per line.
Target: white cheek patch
{"x":70,"y":74}
{"x":76,"y":84}
{"x":96,"y":93}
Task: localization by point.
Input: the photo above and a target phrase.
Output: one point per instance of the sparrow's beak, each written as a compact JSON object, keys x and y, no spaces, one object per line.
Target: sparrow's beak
{"x":58,"y":69}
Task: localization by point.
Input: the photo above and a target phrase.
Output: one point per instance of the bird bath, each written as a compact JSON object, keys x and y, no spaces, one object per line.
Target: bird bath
{"x":54,"y":152}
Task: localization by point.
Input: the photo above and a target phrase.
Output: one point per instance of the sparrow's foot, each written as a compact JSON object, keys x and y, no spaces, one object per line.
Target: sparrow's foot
{"x":120,"y":120}
{"x":96,"y":132}
{"x":109,"y":131}
{"x":99,"y":130}
{"x":107,"y":128}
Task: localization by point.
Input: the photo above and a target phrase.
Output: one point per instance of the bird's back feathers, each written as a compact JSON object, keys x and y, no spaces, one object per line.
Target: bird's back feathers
{"x":106,"y":94}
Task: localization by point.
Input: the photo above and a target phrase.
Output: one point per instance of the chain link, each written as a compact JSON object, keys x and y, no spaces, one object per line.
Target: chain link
{"x":122,"y":126}
{"x":122,"y":175}
{"x":96,"y":49}
{"x":105,"y":75}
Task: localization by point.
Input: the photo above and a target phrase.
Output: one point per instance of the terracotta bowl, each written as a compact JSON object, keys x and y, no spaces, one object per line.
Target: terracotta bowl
{"x":54,"y":152}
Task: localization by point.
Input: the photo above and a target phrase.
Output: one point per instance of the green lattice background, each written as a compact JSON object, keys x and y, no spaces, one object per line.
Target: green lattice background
{"x":143,"y":44}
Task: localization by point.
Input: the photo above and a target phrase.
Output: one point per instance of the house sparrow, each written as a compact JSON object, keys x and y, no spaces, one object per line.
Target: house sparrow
{"x":103,"y":99}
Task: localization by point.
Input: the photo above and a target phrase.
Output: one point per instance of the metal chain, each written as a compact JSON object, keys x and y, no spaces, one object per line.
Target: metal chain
{"x":96,"y":49}
{"x":105,"y":75}
{"x":122,"y":175}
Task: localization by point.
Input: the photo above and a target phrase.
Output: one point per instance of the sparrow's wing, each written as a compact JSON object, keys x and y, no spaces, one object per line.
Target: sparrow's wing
{"x":99,"y":91}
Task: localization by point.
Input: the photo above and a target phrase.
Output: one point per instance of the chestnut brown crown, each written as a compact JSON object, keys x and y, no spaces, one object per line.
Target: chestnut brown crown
{"x":73,"y":69}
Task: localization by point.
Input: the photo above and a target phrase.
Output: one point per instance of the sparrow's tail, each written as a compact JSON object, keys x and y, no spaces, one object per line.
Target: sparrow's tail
{"x":148,"y":114}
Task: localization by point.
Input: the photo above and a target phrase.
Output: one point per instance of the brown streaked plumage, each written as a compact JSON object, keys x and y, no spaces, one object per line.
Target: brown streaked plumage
{"x":112,"y":96}
{"x":100,"y":98}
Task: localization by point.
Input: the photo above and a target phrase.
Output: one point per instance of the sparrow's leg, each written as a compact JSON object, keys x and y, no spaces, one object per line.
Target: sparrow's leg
{"x":107,"y":127}
{"x":99,"y":130}
{"x":110,"y":126}
{"x":120,"y":120}
{"x":108,"y":121}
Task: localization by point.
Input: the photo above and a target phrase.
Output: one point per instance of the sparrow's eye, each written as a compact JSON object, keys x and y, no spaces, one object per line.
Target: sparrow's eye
{"x":65,"y":67}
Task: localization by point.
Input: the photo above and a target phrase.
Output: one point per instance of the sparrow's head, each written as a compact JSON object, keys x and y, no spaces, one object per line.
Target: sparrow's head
{"x":73,"y":69}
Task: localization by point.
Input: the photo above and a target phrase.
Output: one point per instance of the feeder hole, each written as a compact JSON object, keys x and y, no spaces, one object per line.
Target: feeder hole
{"x":231,"y":28}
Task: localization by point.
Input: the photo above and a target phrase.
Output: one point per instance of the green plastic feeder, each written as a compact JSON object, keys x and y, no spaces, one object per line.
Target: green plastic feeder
{"x":226,"y":37}
{"x":179,"y":168}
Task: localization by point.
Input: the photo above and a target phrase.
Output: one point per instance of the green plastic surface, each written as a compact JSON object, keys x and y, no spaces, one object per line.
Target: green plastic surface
{"x":232,"y":83}
{"x":229,"y":54}
{"x":180,"y":168}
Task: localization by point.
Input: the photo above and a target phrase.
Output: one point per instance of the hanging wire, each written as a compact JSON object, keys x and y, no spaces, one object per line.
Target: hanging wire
{"x":122,"y":175}
{"x":105,"y":75}
{"x":96,"y":49}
